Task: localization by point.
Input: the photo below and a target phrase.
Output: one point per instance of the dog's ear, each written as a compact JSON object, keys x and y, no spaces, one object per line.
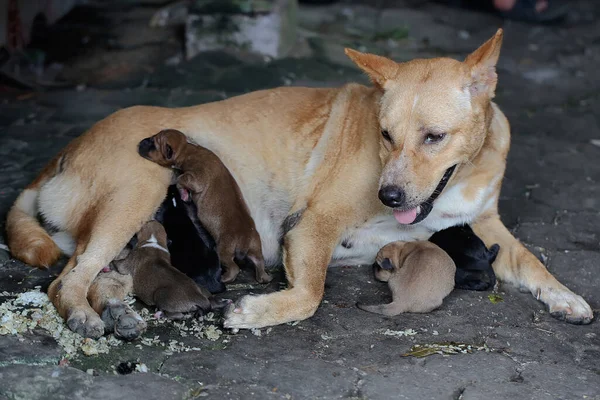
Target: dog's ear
{"x":387,"y":265}
{"x":482,"y":63}
{"x":379,"y":69}
{"x":168,"y":152}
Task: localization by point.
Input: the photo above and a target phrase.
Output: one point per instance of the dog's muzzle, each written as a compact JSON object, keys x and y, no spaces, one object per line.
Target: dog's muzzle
{"x":145,"y":147}
{"x":426,"y":207}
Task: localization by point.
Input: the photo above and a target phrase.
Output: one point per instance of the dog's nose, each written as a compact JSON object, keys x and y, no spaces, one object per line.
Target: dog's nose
{"x":392,"y":196}
{"x":145,"y":146}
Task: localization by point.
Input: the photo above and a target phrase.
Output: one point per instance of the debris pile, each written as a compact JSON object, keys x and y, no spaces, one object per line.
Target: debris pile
{"x":33,"y":310}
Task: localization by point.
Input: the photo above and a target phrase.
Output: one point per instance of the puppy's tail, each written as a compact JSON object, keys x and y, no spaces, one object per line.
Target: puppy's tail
{"x":27,"y":239}
{"x":388,"y":310}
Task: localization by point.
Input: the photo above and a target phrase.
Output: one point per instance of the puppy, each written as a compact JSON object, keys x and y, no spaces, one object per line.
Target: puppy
{"x":472,"y":258}
{"x":419,"y":274}
{"x":191,"y":247}
{"x":156,"y":282}
{"x":221,"y":206}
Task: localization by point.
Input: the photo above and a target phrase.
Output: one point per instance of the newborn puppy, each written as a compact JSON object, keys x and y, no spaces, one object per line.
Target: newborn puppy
{"x":191,"y":246}
{"x":221,"y":206}
{"x":472,"y":258}
{"x":156,"y":282}
{"x":419,"y":274}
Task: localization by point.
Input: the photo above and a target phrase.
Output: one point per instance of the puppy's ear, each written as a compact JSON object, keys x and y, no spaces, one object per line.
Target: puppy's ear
{"x":168,"y":152}
{"x":387,"y":265}
{"x":482,"y":63}
{"x":379,"y":69}
{"x":188,"y":182}
{"x":493,"y":252}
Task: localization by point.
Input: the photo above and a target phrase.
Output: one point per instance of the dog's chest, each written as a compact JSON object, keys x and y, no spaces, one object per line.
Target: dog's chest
{"x":361,"y":244}
{"x":453,"y":208}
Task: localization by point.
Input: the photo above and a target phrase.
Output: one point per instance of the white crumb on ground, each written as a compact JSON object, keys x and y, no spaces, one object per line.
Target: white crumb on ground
{"x":406,"y":332}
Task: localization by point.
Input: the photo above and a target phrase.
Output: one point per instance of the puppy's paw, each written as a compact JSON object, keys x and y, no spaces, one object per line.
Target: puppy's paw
{"x":122,"y":320}
{"x":566,"y":305}
{"x":263,"y":277}
{"x":86,"y":323}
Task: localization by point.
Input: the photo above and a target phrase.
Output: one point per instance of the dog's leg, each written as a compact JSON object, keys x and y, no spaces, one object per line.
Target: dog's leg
{"x":517,"y":265}
{"x":307,"y":252}
{"x":230,"y":268}
{"x":106,"y":297}
{"x":111,"y":230}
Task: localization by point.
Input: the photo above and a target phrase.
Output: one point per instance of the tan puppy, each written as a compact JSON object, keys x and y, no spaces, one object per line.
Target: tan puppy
{"x":221,"y":206}
{"x":311,"y":163}
{"x":156,"y":282}
{"x":419,"y":274}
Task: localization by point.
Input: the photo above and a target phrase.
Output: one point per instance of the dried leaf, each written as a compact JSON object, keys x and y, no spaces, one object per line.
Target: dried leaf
{"x":495,"y":298}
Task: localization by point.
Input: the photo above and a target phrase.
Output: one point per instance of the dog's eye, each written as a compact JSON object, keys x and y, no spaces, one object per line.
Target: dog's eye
{"x":386,"y":135}
{"x":432,"y":138}
{"x":169,"y":152}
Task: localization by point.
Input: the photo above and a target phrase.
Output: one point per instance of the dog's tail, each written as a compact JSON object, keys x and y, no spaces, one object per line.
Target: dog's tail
{"x":28,"y":241}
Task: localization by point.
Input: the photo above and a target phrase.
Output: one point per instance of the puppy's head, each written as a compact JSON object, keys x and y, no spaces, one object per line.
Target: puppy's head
{"x":164,"y":147}
{"x":434,"y":116}
{"x":389,"y":259}
{"x":152,"y":232}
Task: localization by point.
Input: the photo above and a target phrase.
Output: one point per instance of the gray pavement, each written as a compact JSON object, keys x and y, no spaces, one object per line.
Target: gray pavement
{"x":549,"y":88}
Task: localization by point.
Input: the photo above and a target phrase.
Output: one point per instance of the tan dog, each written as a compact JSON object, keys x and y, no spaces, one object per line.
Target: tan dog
{"x":419,"y":274}
{"x":156,"y":282}
{"x":221,"y":206}
{"x":310,"y":164}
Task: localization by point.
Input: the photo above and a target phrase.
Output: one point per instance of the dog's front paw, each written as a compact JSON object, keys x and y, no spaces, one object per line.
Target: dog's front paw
{"x":247,"y":313}
{"x":566,"y":305}
{"x":86,"y":323}
{"x":270,"y":309}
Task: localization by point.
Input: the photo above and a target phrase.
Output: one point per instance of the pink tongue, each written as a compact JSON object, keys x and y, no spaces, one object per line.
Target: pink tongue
{"x":405,"y":217}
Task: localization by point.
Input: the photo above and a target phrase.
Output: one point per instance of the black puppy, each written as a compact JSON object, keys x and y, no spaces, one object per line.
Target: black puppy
{"x":472,"y":258}
{"x":192,"y":248}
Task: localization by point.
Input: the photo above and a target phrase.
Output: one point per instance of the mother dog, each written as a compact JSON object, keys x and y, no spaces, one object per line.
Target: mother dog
{"x":333,"y":174}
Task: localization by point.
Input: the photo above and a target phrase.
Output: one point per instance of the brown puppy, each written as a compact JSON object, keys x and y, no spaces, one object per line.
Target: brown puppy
{"x":156,"y":282}
{"x":221,"y":207}
{"x":419,"y":274}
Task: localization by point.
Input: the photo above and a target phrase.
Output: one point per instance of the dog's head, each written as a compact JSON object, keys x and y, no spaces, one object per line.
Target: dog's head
{"x":434,"y":116}
{"x":389,"y":259}
{"x":164,"y":147}
{"x":152,"y":232}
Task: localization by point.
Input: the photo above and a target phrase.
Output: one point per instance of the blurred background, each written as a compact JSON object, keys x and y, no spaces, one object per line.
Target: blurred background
{"x":134,"y":43}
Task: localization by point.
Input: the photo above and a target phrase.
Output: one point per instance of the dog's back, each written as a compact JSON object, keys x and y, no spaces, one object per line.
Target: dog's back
{"x":472,"y":258}
{"x":222,"y":210}
{"x":222,"y":196}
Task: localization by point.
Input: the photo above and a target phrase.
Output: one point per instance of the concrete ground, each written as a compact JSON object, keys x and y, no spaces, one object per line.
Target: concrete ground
{"x":549,"y":88}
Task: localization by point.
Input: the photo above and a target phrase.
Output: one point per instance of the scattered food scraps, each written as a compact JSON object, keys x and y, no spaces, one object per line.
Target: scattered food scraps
{"x":33,"y":310}
{"x":424,"y":350}
{"x":406,"y":332}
